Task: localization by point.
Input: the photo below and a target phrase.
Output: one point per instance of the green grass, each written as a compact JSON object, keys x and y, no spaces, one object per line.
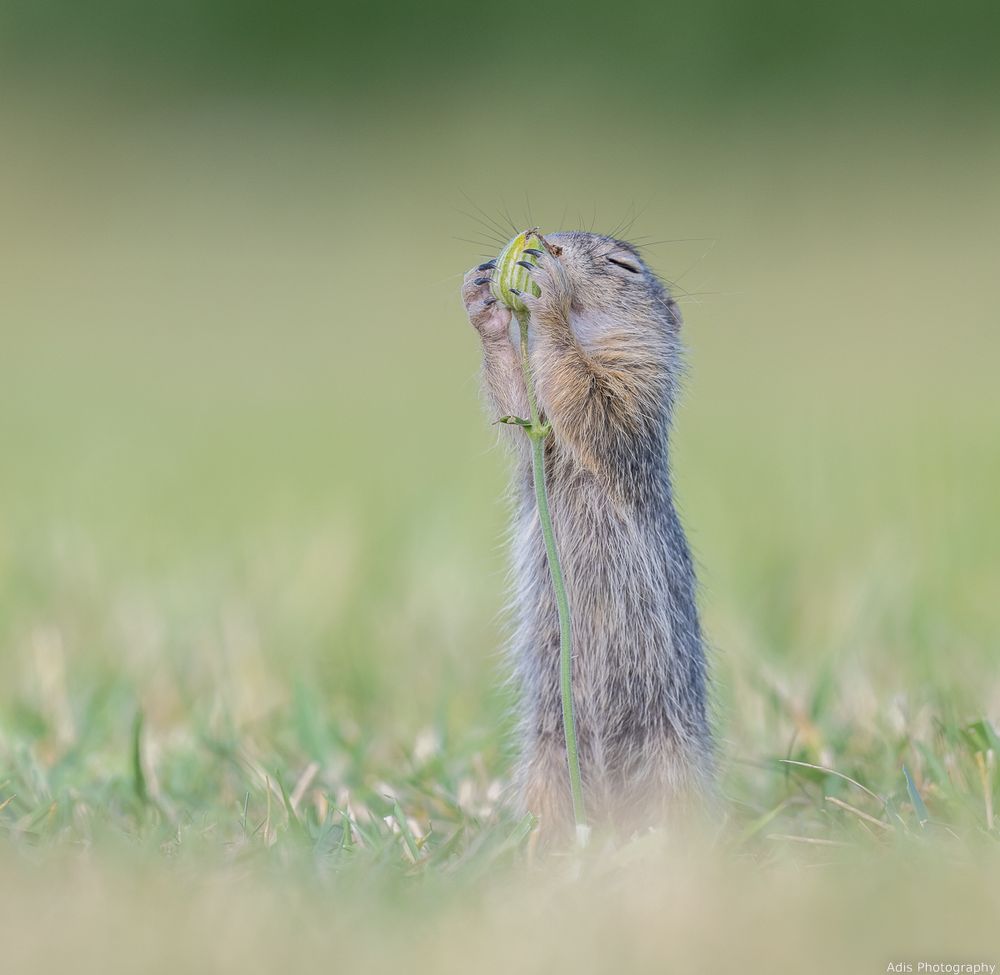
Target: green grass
{"x":251,"y":568}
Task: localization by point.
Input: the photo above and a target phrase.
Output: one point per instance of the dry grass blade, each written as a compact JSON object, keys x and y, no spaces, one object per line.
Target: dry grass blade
{"x":839,"y":775}
{"x":815,"y":841}
{"x":305,"y":780}
{"x":857,"y":812}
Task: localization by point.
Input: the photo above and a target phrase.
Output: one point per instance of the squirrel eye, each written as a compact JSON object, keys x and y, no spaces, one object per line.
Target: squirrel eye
{"x":625,"y":264}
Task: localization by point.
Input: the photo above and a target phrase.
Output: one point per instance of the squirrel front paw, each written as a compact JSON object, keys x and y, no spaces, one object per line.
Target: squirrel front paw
{"x":553,"y":304}
{"x":488,"y":316}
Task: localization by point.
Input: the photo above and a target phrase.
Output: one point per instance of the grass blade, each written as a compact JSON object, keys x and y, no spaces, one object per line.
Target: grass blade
{"x":918,"y":803}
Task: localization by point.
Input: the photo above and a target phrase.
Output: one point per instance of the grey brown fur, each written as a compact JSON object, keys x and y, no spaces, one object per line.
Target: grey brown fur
{"x":605,"y":353}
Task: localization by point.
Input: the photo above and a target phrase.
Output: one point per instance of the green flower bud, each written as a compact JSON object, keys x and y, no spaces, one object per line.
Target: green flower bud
{"x":510,"y":275}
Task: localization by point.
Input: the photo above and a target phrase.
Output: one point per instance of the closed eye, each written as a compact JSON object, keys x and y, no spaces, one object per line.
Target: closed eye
{"x":625,"y":264}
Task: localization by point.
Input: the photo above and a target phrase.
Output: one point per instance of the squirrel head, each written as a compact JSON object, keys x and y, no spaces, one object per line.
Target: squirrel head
{"x":613,"y":289}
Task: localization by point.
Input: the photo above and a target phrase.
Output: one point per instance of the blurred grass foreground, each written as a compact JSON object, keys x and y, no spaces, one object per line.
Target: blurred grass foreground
{"x":252,"y":702}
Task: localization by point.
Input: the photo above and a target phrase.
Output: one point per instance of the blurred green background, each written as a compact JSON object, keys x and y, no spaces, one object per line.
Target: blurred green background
{"x":247,"y":488}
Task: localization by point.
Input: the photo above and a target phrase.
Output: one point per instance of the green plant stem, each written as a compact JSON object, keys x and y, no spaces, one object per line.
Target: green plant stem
{"x":537,"y":432}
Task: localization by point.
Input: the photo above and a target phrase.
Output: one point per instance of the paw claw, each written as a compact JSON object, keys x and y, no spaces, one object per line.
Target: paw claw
{"x":488,"y":266}
{"x":481,"y":281}
{"x":525,"y":264}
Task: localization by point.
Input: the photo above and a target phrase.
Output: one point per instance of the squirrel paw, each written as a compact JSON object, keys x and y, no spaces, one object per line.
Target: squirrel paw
{"x":488,"y":316}
{"x":556,"y":292}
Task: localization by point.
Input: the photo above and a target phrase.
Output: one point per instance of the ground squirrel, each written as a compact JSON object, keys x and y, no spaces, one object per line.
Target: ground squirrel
{"x":605,"y":353}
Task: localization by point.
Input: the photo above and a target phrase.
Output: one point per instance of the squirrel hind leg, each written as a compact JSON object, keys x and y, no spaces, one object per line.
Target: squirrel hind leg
{"x":545,"y":792}
{"x":669,"y":785}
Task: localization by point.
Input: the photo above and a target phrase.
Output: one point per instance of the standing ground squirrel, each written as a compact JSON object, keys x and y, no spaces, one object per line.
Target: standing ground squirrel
{"x":604,"y":348}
